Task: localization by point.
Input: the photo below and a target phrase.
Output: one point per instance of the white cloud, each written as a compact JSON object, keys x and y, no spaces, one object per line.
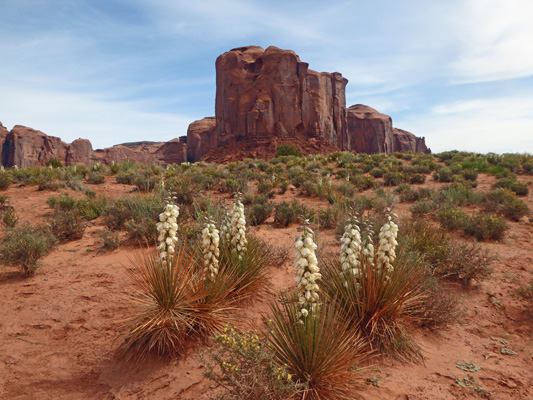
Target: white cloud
{"x":495,"y":38}
{"x":499,"y":125}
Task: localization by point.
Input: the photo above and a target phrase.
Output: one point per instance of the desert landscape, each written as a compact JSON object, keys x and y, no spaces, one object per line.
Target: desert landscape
{"x":62,"y":323}
{"x":191,"y":210}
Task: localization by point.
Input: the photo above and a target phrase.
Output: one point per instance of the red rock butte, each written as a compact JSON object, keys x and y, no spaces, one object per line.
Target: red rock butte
{"x":264,"y":98}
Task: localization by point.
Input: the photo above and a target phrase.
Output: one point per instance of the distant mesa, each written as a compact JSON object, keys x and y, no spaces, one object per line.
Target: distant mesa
{"x":264,"y":98}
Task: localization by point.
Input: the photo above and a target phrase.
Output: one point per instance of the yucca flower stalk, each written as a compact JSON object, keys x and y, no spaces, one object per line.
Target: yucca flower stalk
{"x":367,"y":242}
{"x":238,"y":227}
{"x":167,"y":228}
{"x":386,"y":253}
{"x":351,"y":250}
{"x":307,"y":271}
{"x":225,"y":224}
{"x":210,"y":249}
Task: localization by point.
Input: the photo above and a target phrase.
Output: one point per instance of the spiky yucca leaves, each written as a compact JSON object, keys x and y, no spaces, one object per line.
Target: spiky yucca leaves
{"x":319,"y":351}
{"x":376,"y":307}
{"x":249,"y":269}
{"x":172,"y":305}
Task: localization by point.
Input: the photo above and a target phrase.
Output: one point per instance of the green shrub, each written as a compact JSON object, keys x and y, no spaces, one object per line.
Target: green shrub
{"x":259,"y":213}
{"x":364,"y":182}
{"x":486,"y":226}
{"x":125,"y":177}
{"x":67,"y":225}
{"x":54,"y":163}
{"x":96,"y":177}
{"x":244,"y":365}
{"x":108,"y":240}
{"x":284,"y":214}
{"x":521,"y":189}
{"x":24,"y":246}
{"x":346,"y":188}
{"x":451,"y":218}
{"x":5,"y":180}
{"x":444,"y":174}
{"x":63,"y":202}
{"x":286,"y":150}
{"x":183,"y":189}
{"x":470,"y":174}
{"x":505,"y":201}
{"x":422,"y":207}
{"x":392,"y":178}
{"x":417,"y":178}
{"x":376,"y":172}
{"x":328,"y":218}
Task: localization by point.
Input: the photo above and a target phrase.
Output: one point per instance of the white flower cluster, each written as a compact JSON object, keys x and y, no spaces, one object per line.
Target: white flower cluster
{"x":225,"y":226}
{"x":367,"y":245}
{"x":167,"y":228}
{"x":307,"y":271}
{"x":350,"y":249}
{"x":387,"y":246}
{"x":238,"y":227}
{"x":211,"y":252}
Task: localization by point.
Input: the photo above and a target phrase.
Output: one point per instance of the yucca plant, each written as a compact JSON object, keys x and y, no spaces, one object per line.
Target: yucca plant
{"x":378,"y":302}
{"x":173,"y":305}
{"x":319,"y":351}
{"x":250,"y":272}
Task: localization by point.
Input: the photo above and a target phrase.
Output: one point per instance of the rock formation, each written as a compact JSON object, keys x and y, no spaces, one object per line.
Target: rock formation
{"x":26,"y":147}
{"x":406,"y":141}
{"x":270,"y":96}
{"x":264,"y":98}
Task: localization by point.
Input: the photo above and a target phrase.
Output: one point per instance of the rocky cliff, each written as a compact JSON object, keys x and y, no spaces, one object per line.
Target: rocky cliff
{"x":270,"y":96}
{"x":26,"y":147}
{"x":264,"y":98}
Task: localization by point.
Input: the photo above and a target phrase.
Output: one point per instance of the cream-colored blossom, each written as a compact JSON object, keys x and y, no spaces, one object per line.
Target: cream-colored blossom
{"x":210,"y":249}
{"x":167,"y":228}
{"x":237,"y":228}
{"x":386,"y":253}
{"x":307,"y":271}
{"x":350,"y":250}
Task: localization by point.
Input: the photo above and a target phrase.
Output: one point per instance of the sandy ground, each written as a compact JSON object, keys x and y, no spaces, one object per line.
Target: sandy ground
{"x":58,"y":329}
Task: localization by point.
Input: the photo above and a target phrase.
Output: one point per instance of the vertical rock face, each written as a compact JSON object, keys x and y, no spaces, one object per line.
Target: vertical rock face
{"x":201,"y":137}
{"x":406,"y":141}
{"x":368,"y":131}
{"x":3,"y":134}
{"x":272,"y":93}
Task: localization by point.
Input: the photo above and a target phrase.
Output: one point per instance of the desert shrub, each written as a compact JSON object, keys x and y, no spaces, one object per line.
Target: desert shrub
{"x":265,"y":186}
{"x":108,"y":240}
{"x":328,"y":218}
{"x":465,"y":263}
{"x":67,"y":225}
{"x":506,"y":202}
{"x":5,"y":180}
{"x":486,"y":226}
{"x":364,"y":182}
{"x":417,"y":178}
{"x":470,"y":174}
{"x":63,"y":202}
{"x":378,"y":307}
{"x":421,"y":208}
{"x":145,"y":181}
{"x":459,"y":194}
{"x":259,"y":213}
{"x":521,"y":189}
{"x":406,"y":194}
{"x":429,"y":242}
{"x":231,"y":185}
{"x":183,"y":189}
{"x":346,"y":188}
{"x":91,"y":206}
{"x":393,"y":178}
{"x":96,"y":177}
{"x":444,"y":174}
{"x":125,"y":177}
{"x":244,"y":365}
{"x":451,"y":218}
{"x":54,"y":163}
{"x":173,"y":304}
{"x":284,"y":214}
{"x":116,"y":214}
{"x":376,"y":172}
{"x":286,"y":150}
{"x":438,"y":306}
{"x":319,"y":351}
{"x":308,"y":188}
{"x":24,"y":246}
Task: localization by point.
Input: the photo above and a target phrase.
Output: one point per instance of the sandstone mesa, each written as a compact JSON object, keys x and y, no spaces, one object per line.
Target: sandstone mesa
{"x":264,"y":98}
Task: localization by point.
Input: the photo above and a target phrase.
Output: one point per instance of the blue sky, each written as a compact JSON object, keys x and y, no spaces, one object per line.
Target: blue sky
{"x":459,"y":73}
